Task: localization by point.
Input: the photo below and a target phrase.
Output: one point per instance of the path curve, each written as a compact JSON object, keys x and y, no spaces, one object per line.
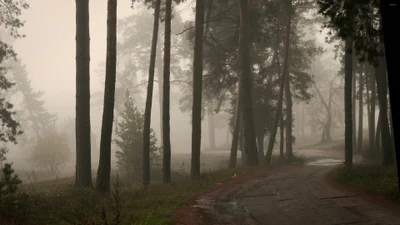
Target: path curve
{"x":289,"y":196}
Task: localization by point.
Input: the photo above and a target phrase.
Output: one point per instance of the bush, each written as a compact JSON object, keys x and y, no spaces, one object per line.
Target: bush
{"x":13,"y":205}
{"x":129,"y":131}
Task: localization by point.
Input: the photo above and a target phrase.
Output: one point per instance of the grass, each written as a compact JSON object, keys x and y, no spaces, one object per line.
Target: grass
{"x":375,"y":178}
{"x":54,"y":202}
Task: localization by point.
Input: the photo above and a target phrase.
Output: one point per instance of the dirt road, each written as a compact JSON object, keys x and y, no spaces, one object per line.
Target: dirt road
{"x":296,"y":195}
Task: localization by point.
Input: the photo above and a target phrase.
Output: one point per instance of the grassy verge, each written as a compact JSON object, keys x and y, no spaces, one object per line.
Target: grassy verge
{"x":57,"y":201}
{"x":374,"y":178}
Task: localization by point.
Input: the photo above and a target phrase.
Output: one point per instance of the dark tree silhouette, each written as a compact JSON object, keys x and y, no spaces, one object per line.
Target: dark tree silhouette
{"x":83,"y":177}
{"x":104,"y":170}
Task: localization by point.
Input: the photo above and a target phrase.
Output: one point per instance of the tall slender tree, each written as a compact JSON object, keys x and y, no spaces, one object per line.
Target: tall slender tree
{"x":289,"y":102}
{"x":166,"y":95}
{"x":348,"y":123}
{"x":104,"y":170}
{"x":83,"y":177}
{"x":236,"y":130}
{"x":360,"y":111}
{"x":246,"y":85}
{"x":197,"y":90}
{"x":284,"y":77}
{"x":149,"y":98}
{"x":381,"y":82}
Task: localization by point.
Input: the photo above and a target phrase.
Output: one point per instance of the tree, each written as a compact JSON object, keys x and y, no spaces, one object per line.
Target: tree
{"x":166,"y":95}
{"x":30,"y":109}
{"x":104,"y":170}
{"x":83,"y":148}
{"x":360,"y":111}
{"x":9,"y":13}
{"x":129,"y":133}
{"x":382,"y":87}
{"x":51,"y":150}
{"x":246,"y":85}
{"x":149,"y":98}
{"x":197,"y":90}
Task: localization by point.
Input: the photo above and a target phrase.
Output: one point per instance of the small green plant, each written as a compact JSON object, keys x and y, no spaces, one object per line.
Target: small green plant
{"x":13,"y":205}
{"x":129,"y":133}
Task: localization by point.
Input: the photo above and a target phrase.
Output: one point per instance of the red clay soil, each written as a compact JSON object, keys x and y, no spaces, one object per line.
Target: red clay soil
{"x":189,"y":215}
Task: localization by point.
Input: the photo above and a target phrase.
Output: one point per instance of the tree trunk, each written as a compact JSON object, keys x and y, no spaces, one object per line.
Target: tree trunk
{"x":260,"y":145}
{"x":160,"y":97}
{"x":302,"y":122}
{"x":246,"y":85}
{"x":348,"y":101}
{"x":282,"y":139}
{"x":197,"y":90}
{"x":323,"y":135}
{"x":354,"y":102}
{"x":104,"y":170}
{"x":360,"y":112}
{"x":211,"y":128}
{"x":373,"y":110}
{"x":149,"y":98}
{"x":289,"y":102}
{"x":166,"y":94}
{"x":381,"y":81}
{"x":378,"y":132}
{"x":285,"y":75}
{"x":236,"y":131}
{"x":289,"y":122}
{"x":242,"y":140}
{"x":83,"y":175}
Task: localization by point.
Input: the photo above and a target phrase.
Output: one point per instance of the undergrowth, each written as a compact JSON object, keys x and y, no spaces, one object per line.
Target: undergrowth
{"x":374,"y":178}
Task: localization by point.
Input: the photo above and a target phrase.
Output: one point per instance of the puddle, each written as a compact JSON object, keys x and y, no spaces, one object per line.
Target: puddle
{"x":326,"y":162}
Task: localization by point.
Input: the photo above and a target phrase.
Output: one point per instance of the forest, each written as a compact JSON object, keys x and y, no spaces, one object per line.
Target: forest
{"x":196,"y":112}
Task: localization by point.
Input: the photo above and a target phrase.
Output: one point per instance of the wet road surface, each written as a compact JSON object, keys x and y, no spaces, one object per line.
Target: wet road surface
{"x":300,"y":195}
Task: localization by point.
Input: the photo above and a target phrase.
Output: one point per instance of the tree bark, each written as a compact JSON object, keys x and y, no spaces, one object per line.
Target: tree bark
{"x":360,"y":111}
{"x":285,"y":75}
{"x":236,"y":131}
{"x":289,"y":102}
{"x":282,"y":139}
{"x":211,"y":127}
{"x":387,"y":144}
{"x":260,"y":146}
{"x":348,"y":79}
{"x":197,"y":90}
{"x":104,"y":170}
{"x":166,"y":94}
{"x":289,"y":122}
{"x":302,"y":122}
{"x":246,"y":85}
{"x":381,"y":81}
{"x":160,"y":96}
{"x":373,"y":110}
{"x":149,"y":98}
{"x":354,"y":102}
{"x":378,"y":132}
{"x":83,"y":175}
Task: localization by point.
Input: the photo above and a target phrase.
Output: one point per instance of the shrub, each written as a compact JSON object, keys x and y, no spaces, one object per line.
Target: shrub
{"x":13,"y":205}
{"x":129,"y":132}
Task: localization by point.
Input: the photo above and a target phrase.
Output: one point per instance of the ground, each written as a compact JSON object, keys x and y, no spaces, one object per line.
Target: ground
{"x":296,"y":194}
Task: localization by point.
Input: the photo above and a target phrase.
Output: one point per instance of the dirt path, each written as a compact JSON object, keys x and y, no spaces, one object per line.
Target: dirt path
{"x":292,"y":195}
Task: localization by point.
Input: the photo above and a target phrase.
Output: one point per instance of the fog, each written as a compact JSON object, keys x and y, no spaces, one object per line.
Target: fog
{"x":48,"y":51}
